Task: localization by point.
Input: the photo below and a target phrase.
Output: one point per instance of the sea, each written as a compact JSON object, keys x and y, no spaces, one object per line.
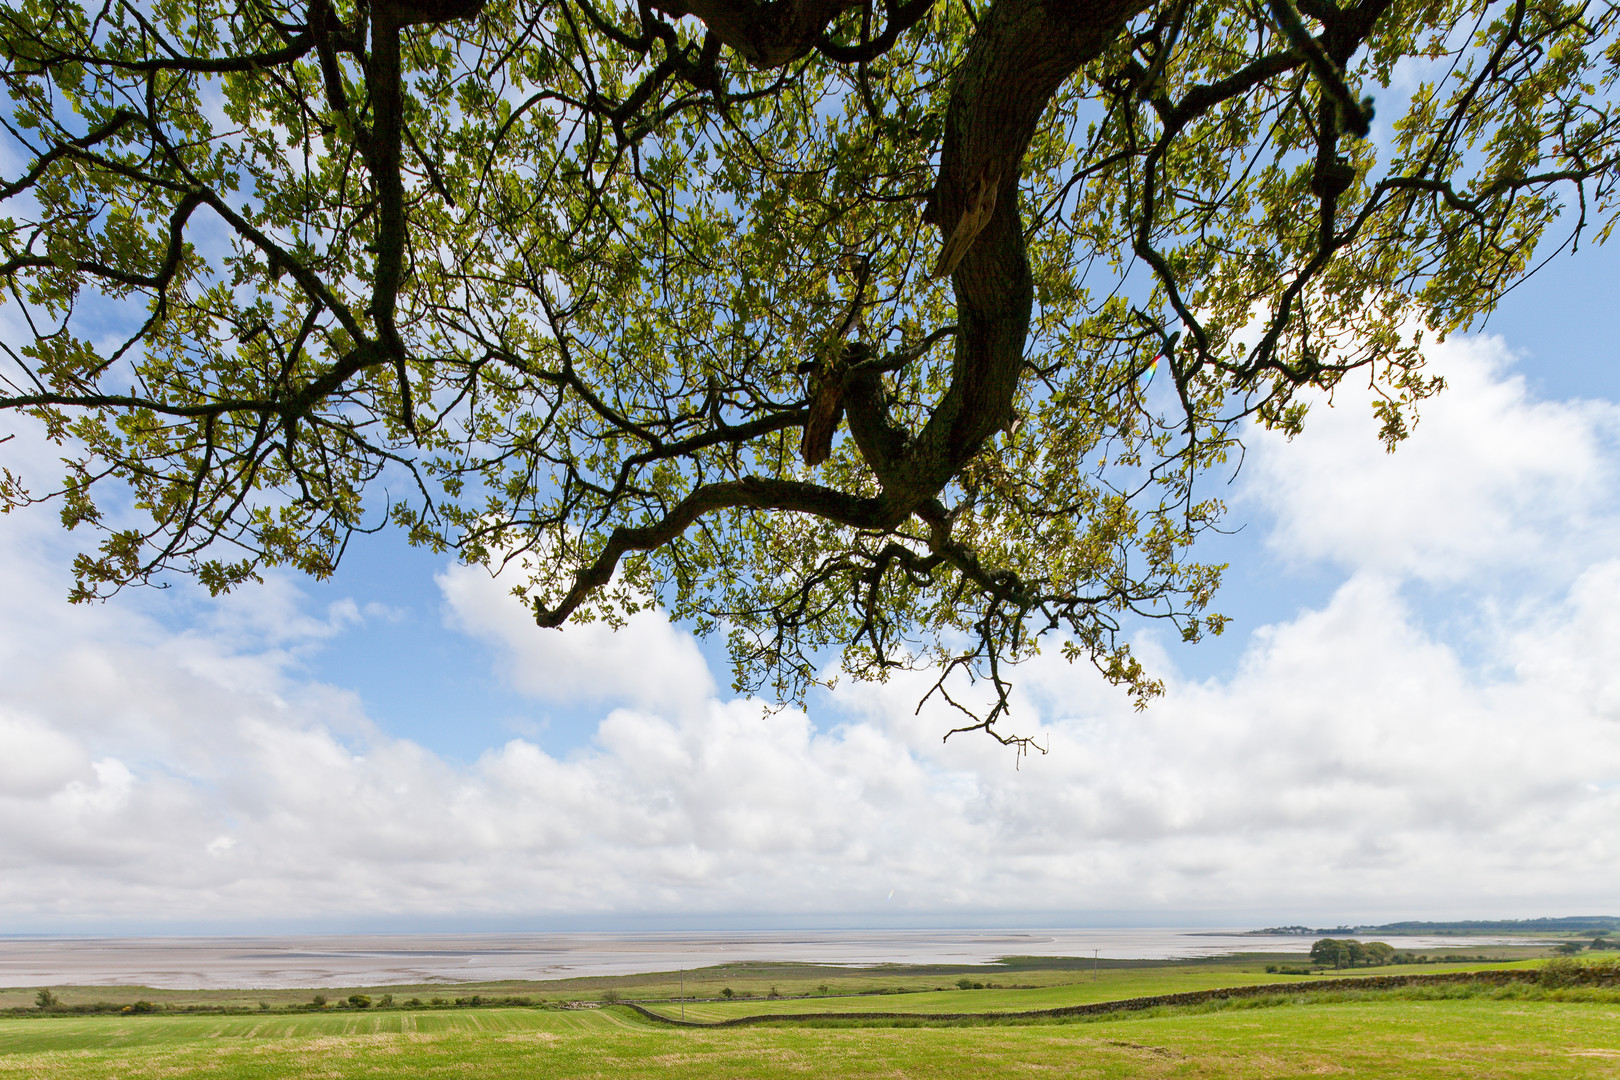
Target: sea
{"x":346,"y":960}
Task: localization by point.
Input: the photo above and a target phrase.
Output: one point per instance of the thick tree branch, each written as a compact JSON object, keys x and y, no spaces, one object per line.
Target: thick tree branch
{"x":751,"y":492}
{"x":901,"y":19}
{"x":767,"y":35}
{"x":1024,"y":50}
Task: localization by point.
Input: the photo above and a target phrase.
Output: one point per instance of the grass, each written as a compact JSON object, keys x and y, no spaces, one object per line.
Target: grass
{"x":1448,"y":1030}
{"x":1374,"y":1037}
{"x":121,"y":1032}
{"x":1108,"y":986}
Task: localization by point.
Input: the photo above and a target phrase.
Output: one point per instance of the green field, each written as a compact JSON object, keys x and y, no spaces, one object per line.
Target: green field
{"x":1453,"y":1029}
{"x":75,"y":1034}
{"x":1470,"y":1037}
{"x":1108,"y":986}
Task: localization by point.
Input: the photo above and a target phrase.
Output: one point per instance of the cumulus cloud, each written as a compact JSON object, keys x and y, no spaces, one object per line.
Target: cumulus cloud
{"x":1489,"y":482}
{"x":1356,"y":763}
{"x":36,"y":760}
{"x":646,"y":661}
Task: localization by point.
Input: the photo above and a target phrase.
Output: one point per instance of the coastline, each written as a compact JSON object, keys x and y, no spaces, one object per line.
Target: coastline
{"x":347,"y":960}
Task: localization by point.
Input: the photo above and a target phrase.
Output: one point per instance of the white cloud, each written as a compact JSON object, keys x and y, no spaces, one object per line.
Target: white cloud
{"x":1490,"y":482}
{"x":1570,"y":649}
{"x":1354,"y":764}
{"x":646,"y":662}
{"x":36,"y":760}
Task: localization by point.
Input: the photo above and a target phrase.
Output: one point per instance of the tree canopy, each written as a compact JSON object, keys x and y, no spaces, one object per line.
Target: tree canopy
{"x":917,"y":331}
{"x":1348,"y":951}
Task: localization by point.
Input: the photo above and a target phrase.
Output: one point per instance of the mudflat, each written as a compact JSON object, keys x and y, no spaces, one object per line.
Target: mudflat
{"x":284,"y":962}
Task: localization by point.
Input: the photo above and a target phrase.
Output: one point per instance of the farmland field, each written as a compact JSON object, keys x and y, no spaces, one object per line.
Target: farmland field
{"x":1113,"y":986}
{"x":1503,"y":1033}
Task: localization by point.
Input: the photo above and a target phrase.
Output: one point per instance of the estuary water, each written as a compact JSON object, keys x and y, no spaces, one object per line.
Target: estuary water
{"x":405,"y":959}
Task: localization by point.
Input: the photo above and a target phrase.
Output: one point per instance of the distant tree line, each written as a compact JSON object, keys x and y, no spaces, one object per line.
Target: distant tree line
{"x":48,"y":1001}
{"x":1599,"y":941}
{"x":1579,"y":924}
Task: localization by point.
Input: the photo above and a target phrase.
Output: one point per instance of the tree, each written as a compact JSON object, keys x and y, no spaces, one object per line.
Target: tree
{"x":917,"y":333}
{"x":1348,"y":952}
{"x":1378,"y":953}
{"x":46,"y":999}
{"x":1333,"y":951}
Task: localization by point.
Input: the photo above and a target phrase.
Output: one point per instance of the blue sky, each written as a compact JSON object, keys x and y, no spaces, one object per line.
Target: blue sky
{"x":1416,"y":714}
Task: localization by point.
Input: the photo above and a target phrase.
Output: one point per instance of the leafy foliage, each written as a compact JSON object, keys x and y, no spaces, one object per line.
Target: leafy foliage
{"x":1348,"y":952}
{"x":643,"y":300}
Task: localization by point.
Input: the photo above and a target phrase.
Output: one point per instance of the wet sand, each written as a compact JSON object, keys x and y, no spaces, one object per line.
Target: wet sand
{"x":284,"y":962}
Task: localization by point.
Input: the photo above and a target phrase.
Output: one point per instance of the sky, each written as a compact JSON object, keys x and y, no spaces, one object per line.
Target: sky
{"x":1416,"y":714}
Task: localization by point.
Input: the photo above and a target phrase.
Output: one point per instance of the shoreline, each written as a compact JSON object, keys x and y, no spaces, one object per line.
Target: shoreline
{"x":760,"y":979}
{"x":287,"y":962}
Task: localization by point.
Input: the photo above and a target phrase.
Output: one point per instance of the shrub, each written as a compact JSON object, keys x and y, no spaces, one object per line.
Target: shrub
{"x":318,"y":1001}
{"x":610,"y":997}
{"x":728,"y":993}
{"x":46,"y":1000}
{"x":964,"y":984}
{"x":1567,"y":971}
{"x":822,"y":989}
{"x":360,"y":1001}
{"x":1560,"y":971}
{"x":773,"y":993}
{"x":386,"y":1001}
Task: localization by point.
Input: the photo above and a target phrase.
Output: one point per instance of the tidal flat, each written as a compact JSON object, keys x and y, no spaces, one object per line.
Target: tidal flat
{"x":290,"y":962}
